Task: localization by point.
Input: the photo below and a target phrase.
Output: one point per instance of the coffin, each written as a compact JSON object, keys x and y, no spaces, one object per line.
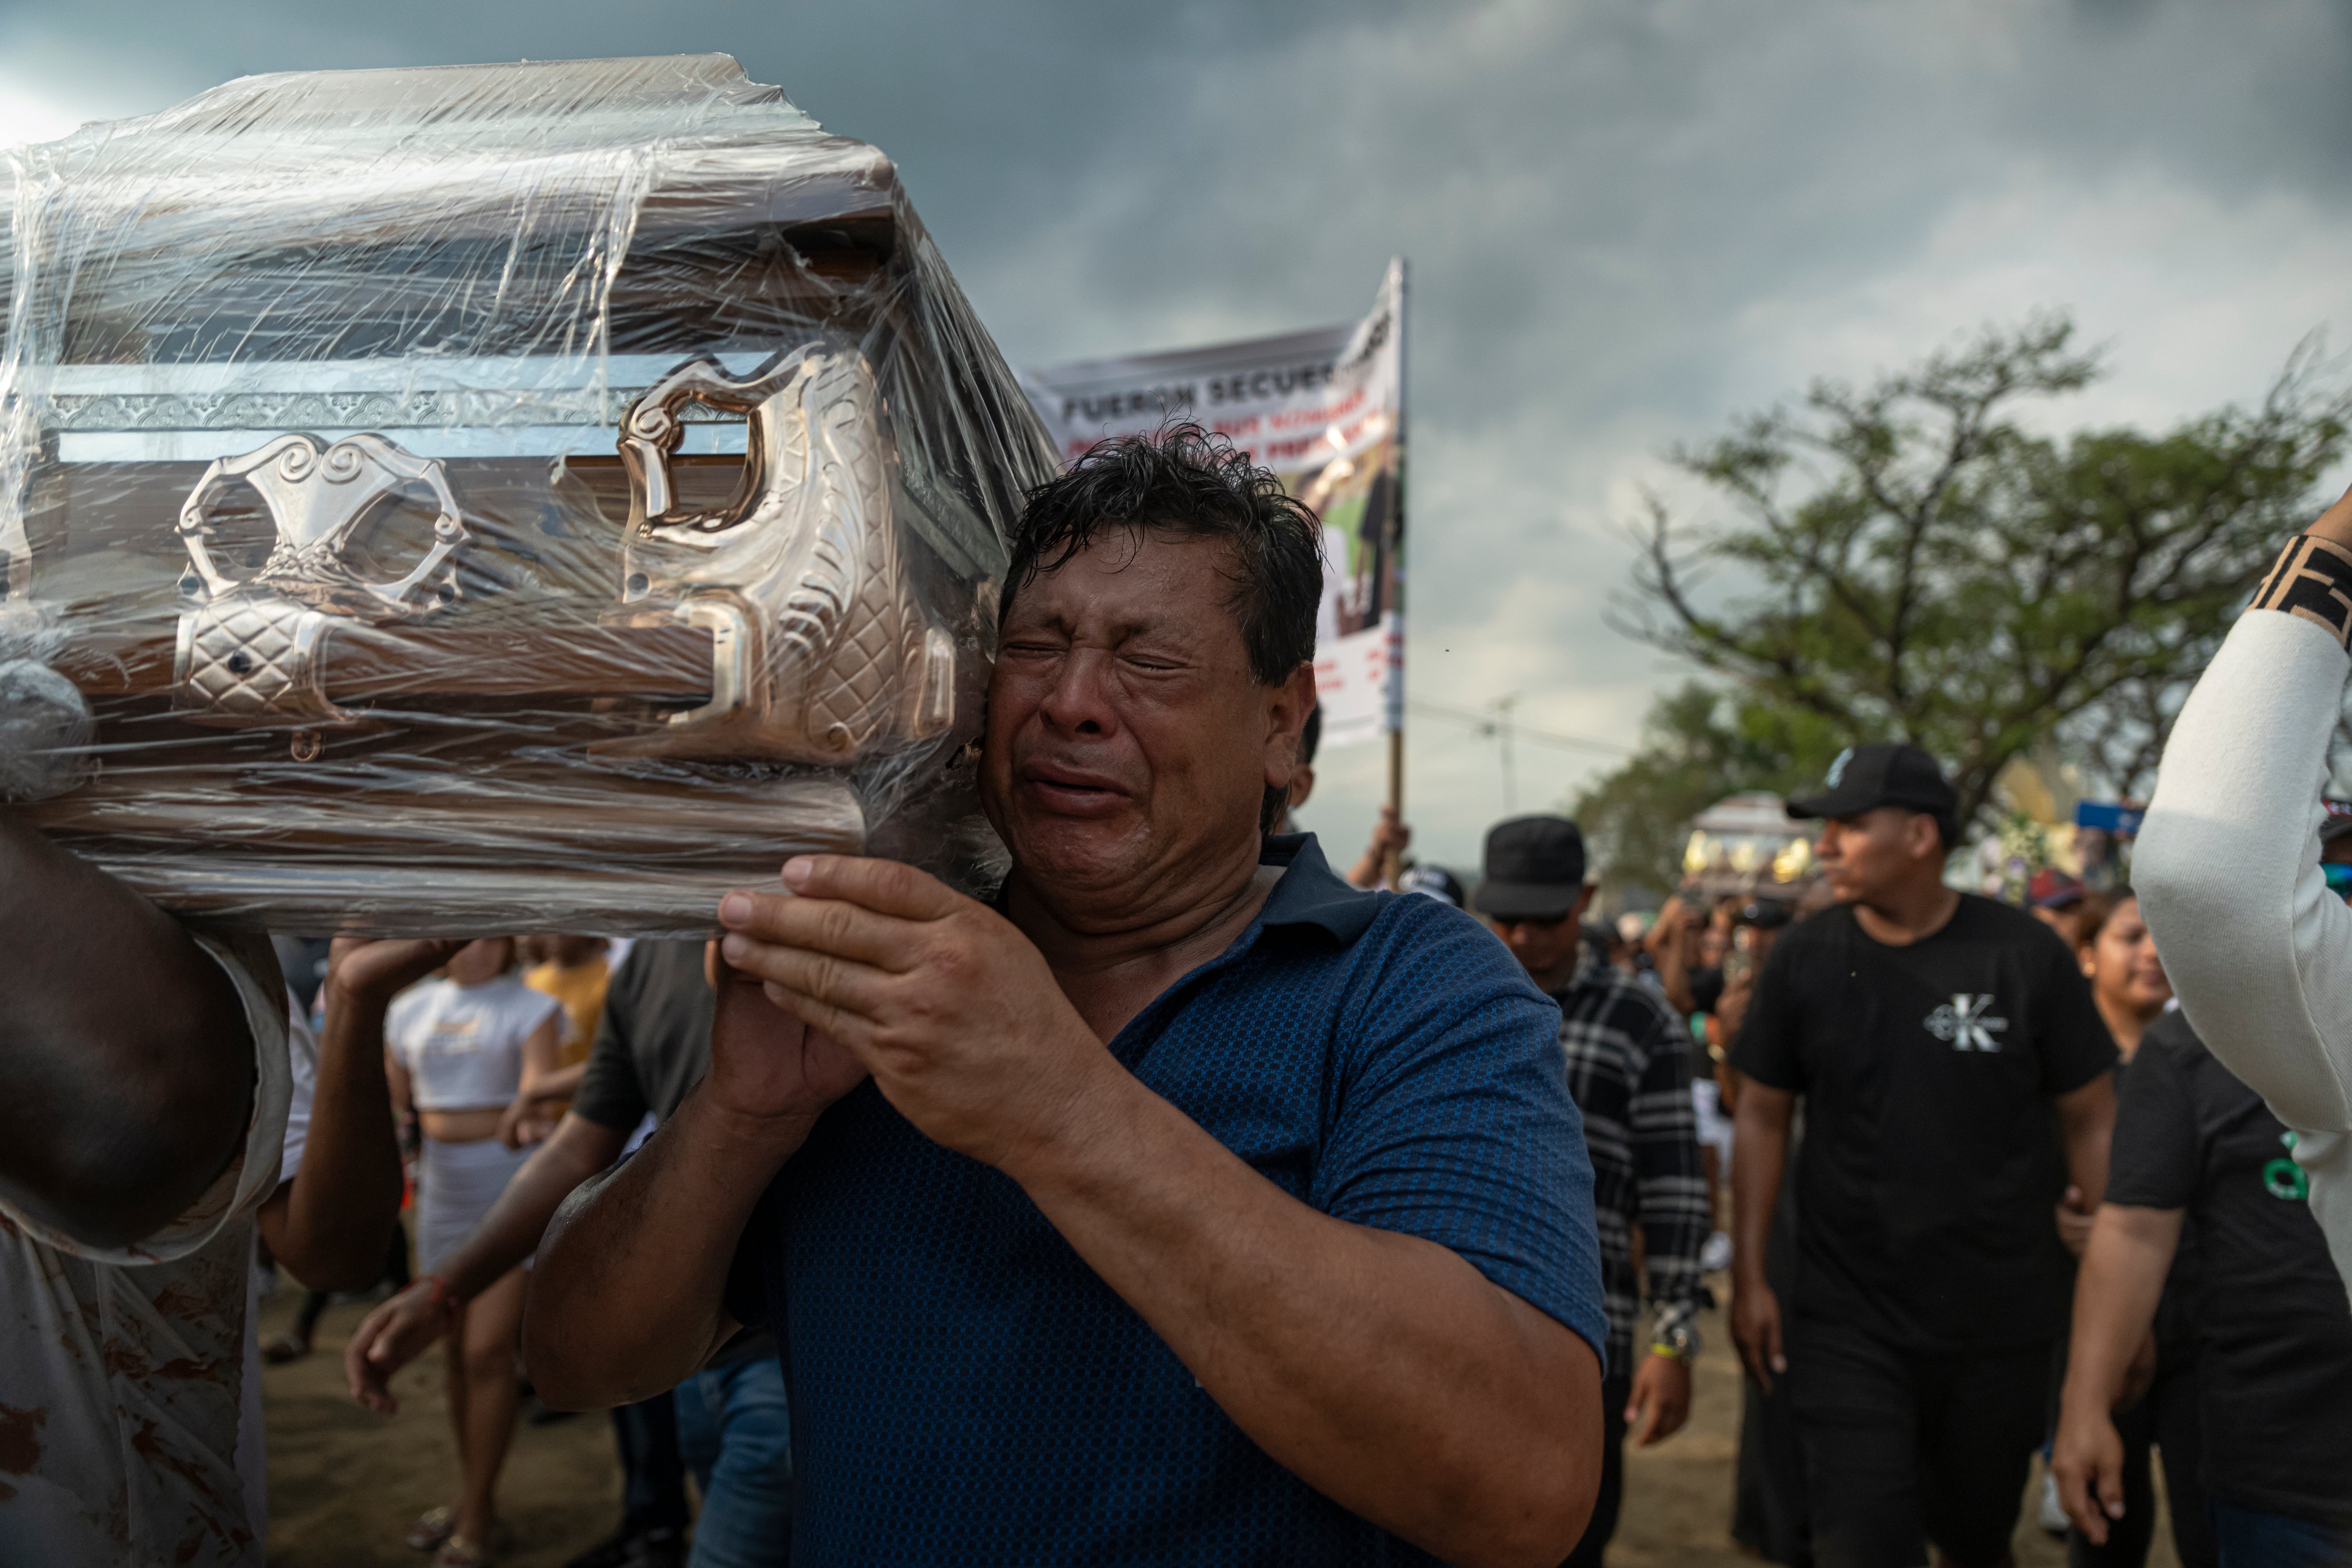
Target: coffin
{"x":491,"y":497}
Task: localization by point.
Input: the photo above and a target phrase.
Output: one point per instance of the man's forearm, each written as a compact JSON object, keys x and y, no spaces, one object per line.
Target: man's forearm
{"x":1759,"y":1154}
{"x":628,"y":1293}
{"x":2116,"y":1296}
{"x":511,"y":1231}
{"x":128,"y":1078}
{"x":2087,"y":1123}
{"x":563,"y":1083}
{"x":1382,"y":1369}
{"x":346,"y":1197}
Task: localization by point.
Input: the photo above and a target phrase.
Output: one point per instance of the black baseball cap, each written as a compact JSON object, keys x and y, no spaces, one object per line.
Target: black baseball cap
{"x":1534,"y":869}
{"x":1884,"y":772}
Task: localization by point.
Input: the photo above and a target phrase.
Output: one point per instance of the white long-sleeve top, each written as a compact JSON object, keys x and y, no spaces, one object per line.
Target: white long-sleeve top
{"x":2228,"y":875}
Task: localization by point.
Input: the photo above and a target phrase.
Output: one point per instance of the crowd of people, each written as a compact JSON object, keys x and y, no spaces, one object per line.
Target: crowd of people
{"x":1188,"y":1201}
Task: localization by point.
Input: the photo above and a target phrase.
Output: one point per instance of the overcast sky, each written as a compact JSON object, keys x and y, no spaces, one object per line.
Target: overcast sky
{"x":1627,"y":222}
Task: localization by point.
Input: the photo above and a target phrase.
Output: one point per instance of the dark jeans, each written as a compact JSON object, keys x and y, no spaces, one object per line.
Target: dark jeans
{"x":2249,"y":1538}
{"x":1614,"y":1392}
{"x":2167,"y":1420}
{"x":653,"y":1490}
{"x":736,"y":1437}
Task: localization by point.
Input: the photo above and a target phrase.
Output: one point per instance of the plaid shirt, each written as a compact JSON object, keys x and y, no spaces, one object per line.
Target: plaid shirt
{"x":1629,"y":1072}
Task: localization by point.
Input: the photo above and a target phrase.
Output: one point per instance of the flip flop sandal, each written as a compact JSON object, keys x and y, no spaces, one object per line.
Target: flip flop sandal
{"x":431,"y":1528}
{"x":460,"y":1552}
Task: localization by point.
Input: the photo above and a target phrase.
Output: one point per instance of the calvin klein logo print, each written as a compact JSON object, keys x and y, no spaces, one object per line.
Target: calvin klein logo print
{"x":1966,"y":1022}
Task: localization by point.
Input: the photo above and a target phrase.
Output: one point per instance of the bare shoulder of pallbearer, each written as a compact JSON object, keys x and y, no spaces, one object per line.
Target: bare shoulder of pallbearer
{"x":1182,"y":1202}
{"x":1954,"y":1071}
{"x":157,"y":1106}
{"x":2254,"y":934}
{"x":1628,"y":1058}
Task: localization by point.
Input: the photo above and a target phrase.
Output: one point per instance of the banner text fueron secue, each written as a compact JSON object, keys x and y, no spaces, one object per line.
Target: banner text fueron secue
{"x":1323,"y":409}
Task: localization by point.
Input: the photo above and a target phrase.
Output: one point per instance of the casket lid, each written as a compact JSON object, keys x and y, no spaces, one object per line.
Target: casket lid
{"x":421,"y":161}
{"x":640,"y":90}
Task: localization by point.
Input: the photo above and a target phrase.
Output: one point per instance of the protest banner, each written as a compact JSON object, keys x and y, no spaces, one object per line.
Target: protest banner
{"x":1325,"y":410}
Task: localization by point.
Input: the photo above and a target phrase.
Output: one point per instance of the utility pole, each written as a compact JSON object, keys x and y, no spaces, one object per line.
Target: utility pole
{"x":1503,"y":706}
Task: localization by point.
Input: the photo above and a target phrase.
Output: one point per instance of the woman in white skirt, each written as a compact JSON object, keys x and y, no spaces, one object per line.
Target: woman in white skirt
{"x":461,"y":1049}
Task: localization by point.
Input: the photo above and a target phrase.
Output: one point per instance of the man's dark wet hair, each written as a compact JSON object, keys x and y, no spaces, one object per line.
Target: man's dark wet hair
{"x":1184,"y":480}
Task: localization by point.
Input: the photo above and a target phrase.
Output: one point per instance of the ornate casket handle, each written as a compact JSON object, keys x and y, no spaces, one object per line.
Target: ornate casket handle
{"x":314,"y":497}
{"x":651,"y":432}
{"x":820,"y":647}
{"x":253,"y":652}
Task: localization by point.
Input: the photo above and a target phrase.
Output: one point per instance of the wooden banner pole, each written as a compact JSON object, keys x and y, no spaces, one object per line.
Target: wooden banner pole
{"x":1396,"y":565}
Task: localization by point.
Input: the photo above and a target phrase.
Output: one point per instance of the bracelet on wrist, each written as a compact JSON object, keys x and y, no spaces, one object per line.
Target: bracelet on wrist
{"x":440,"y":1295}
{"x":1676,"y":1336}
{"x":2311,"y":580}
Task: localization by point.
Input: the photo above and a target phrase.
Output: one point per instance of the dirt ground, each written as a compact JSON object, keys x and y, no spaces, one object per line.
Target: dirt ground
{"x":343,"y":1484}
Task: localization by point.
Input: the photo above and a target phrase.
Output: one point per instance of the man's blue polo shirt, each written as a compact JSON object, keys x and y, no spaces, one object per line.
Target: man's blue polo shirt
{"x":965,"y":1390}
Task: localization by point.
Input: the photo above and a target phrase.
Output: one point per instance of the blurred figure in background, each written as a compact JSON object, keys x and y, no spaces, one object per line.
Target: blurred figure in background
{"x":1600,"y":937}
{"x":2129,"y":988}
{"x":1629,"y":1072}
{"x":302,"y":960}
{"x":1674,"y":943}
{"x":305,"y":962}
{"x":465,"y":1051}
{"x":2056,"y":900}
{"x":1434,"y":883}
{"x":1769,"y":1516}
{"x":2196,"y":1153}
{"x":576,"y":970}
{"x":1391,"y":837}
{"x":728,"y":1423}
{"x":1955,"y":1077}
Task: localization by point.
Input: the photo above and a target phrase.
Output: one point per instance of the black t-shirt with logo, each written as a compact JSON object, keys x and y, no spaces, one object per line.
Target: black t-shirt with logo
{"x":1932,"y":1164}
{"x":2276,"y":1387}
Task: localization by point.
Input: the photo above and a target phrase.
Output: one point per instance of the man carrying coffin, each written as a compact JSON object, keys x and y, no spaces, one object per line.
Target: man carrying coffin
{"x":153,"y":1116}
{"x":1185,"y":1202}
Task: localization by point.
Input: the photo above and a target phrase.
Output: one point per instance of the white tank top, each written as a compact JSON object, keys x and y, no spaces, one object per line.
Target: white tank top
{"x":462,"y":1045}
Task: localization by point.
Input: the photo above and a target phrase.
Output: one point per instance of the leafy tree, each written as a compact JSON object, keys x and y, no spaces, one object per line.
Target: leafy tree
{"x":1909,"y":561}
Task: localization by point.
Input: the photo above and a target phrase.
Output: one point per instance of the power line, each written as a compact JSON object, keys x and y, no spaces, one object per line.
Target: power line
{"x":1489,"y":725}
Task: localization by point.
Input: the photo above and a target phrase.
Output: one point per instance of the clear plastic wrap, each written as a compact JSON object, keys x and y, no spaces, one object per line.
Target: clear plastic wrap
{"x":525,"y":497}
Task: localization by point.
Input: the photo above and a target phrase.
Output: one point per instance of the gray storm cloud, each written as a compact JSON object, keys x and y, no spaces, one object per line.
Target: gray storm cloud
{"x":1627,"y":222}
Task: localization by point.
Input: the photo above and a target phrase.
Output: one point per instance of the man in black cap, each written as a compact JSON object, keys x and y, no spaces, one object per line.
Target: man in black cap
{"x":1629,"y":1072}
{"x":1955,"y":1077}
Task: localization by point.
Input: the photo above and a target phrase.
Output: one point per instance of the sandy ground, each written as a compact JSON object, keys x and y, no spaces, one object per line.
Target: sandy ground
{"x":344,"y":1485}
